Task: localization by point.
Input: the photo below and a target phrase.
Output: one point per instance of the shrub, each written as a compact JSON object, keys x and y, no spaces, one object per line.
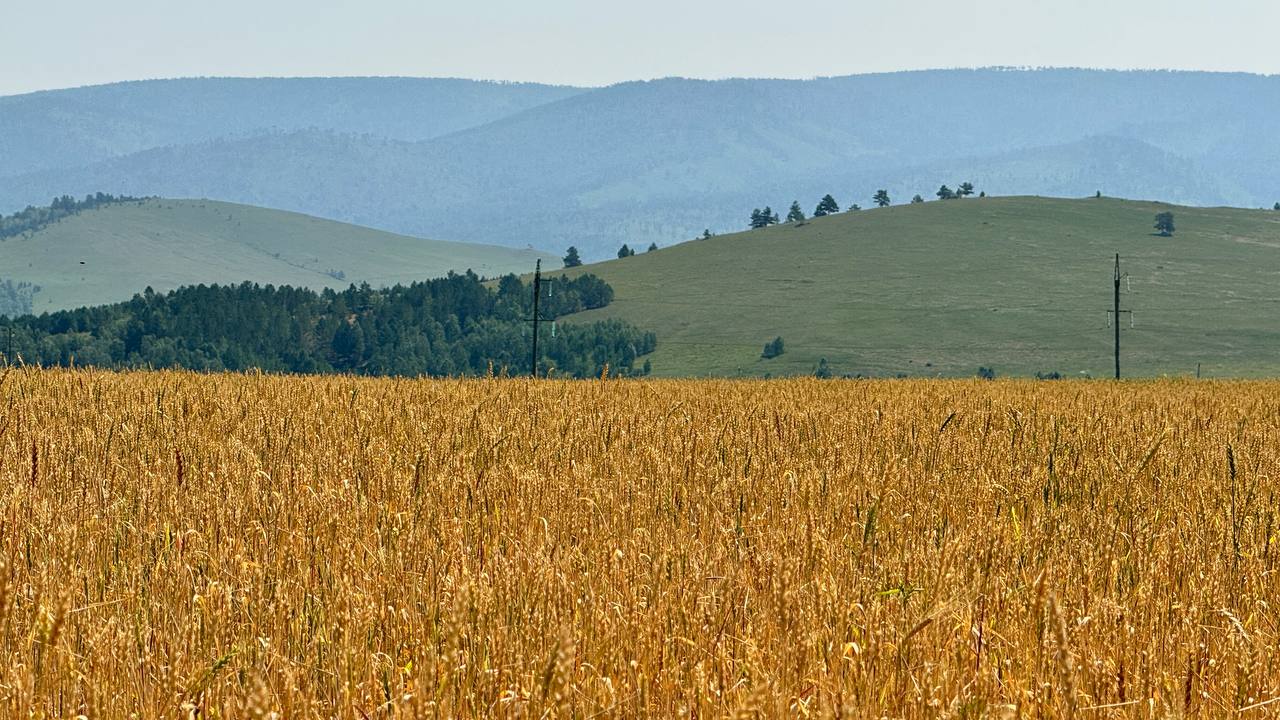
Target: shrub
{"x":823,"y":371}
{"x":773,"y":349}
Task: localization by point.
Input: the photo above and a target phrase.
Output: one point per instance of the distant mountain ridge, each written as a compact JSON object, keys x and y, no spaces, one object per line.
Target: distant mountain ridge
{"x":69,"y":128}
{"x":659,"y":161}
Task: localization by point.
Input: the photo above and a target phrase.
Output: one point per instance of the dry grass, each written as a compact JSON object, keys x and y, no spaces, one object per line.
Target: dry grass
{"x":233,"y":546}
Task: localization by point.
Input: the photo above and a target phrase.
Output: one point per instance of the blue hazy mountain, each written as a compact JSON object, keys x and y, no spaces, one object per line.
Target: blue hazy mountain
{"x":662,"y":160}
{"x":68,"y":128}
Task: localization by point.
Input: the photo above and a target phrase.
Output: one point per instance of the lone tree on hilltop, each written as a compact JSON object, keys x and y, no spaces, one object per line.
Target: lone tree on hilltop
{"x":917,"y":200}
{"x":706,"y":234}
{"x":945,"y":193}
{"x":624,"y":251}
{"x":652,"y":246}
{"x":855,"y":207}
{"x":1164,"y":224}
{"x":881,"y":198}
{"x":571,"y":258}
{"x":826,"y":206}
{"x":1277,"y":207}
{"x":773,"y":348}
{"x":965,"y":190}
{"x":795,"y":214}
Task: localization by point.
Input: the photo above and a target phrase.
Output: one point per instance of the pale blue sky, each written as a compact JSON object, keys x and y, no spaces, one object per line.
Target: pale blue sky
{"x":64,"y":43}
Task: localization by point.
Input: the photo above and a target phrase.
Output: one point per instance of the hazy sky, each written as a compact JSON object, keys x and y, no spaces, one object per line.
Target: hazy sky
{"x":46,"y":44}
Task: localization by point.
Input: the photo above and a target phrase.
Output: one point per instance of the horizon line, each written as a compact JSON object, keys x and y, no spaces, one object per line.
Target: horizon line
{"x":656,"y":78}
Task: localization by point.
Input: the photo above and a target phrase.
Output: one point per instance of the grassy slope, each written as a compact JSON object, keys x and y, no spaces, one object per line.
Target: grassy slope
{"x":109,"y":254}
{"x":1018,"y":284}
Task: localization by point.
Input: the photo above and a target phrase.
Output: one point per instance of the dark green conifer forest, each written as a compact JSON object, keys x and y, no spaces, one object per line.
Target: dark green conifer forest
{"x":456,"y":325}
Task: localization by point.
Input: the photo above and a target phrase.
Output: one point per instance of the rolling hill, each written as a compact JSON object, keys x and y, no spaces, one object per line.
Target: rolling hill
{"x":1020,"y":284}
{"x":660,"y":161}
{"x":110,"y":253}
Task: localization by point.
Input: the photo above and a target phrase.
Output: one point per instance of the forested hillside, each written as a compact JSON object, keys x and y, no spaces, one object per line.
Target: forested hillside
{"x":660,"y":161}
{"x":448,"y":326}
{"x":32,"y":219}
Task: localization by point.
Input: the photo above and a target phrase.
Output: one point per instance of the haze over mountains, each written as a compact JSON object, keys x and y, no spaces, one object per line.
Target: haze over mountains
{"x":70,"y":128}
{"x":646,"y":161}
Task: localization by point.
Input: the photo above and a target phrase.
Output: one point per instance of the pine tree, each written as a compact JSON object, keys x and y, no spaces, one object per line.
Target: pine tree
{"x":945,"y":193}
{"x":1164,"y":224}
{"x":571,"y":258}
{"x":624,"y":251}
{"x":826,"y":206}
{"x":965,"y":190}
{"x":795,"y":214}
{"x":763,"y":218}
{"x":881,"y":198}
{"x":706,"y":234}
{"x":348,"y":344}
{"x":917,"y":200}
{"x":652,"y":246}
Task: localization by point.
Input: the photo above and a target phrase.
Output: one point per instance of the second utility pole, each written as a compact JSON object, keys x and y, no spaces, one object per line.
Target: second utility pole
{"x":1115,"y":317}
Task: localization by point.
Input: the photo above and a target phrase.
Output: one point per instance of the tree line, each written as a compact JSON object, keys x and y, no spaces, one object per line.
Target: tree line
{"x":456,"y":325}
{"x":34,"y":218}
{"x":762,"y":218}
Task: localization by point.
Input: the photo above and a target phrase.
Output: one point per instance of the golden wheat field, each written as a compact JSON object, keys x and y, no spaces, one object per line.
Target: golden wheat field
{"x":178,"y":545}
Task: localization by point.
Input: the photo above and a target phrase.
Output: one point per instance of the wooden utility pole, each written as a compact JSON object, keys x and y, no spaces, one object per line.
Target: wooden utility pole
{"x":536,"y":319}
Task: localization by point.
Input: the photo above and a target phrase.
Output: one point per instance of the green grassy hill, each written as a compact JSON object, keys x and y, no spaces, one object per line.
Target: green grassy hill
{"x":1018,"y":284}
{"x":108,"y":254}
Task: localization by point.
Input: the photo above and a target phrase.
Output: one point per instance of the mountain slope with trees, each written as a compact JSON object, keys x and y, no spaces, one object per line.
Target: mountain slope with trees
{"x":1017,"y":285}
{"x":69,"y":128}
{"x":660,"y":161}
